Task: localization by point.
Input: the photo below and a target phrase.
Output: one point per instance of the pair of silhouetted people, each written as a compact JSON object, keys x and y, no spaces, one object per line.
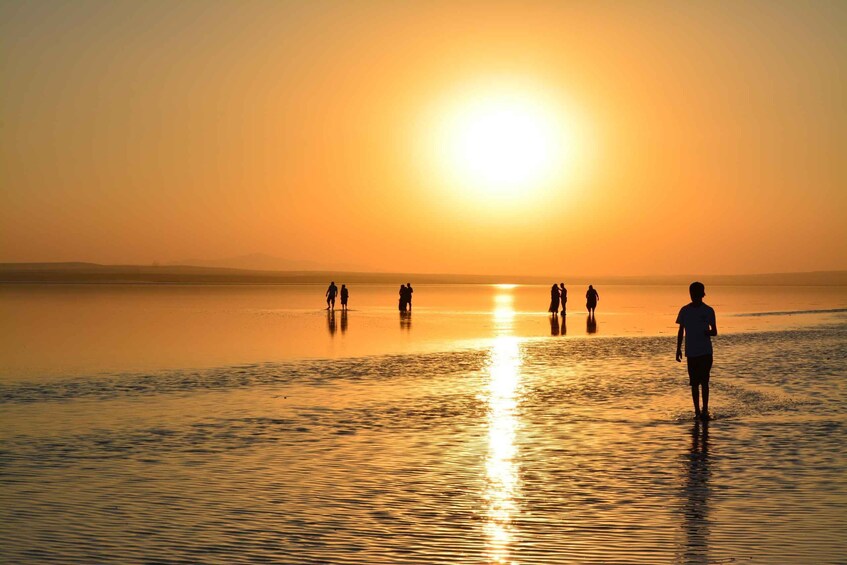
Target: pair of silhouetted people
{"x":697,"y":325}
{"x":332,"y":292}
{"x":405,"y":303}
{"x":558,"y":295}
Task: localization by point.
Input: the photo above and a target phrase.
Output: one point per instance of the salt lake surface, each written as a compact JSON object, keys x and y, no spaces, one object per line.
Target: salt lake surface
{"x":246,"y":425}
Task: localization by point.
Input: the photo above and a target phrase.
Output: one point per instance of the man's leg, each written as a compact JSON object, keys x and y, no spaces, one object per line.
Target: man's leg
{"x":707,"y":371}
{"x":695,"y":397}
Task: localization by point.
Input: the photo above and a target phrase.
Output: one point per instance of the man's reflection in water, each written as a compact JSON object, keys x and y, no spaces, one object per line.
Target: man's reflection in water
{"x":344,"y":321}
{"x":554,"y":325}
{"x":695,"y":491}
{"x":405,"y":321}
{"x":330,"y":322}
{"x":591,"y":324}
{"x":564,"y":330}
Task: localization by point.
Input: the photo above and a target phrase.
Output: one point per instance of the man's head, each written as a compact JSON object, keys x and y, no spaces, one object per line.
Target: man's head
{"x":697,"y":291}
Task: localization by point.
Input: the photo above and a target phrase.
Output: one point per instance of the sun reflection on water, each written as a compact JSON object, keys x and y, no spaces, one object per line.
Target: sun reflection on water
{"x":501,"y":464}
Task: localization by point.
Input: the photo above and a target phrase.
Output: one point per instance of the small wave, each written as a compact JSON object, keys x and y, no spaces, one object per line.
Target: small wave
{"x":311,"y":372}
{"x":789,"y":313}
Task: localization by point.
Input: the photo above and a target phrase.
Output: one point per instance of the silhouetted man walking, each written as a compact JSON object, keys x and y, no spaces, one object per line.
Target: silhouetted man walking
{"x":409,"y":292}
{"x":697,"y":323}
{"x":330,"y":295}
{"x":563,"y":297}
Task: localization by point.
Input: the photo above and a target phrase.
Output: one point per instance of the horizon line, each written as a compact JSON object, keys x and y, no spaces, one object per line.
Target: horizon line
{"x":70,"y":267}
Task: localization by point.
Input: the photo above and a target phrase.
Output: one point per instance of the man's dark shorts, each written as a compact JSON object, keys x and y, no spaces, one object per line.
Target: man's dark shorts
{"x":698,"y":369}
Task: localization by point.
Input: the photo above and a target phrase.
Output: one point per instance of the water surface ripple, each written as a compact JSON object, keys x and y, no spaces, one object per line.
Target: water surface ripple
{"x":521,"y":451}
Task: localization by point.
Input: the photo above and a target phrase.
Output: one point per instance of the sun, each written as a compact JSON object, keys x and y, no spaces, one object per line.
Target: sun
{"x":503,"y":143}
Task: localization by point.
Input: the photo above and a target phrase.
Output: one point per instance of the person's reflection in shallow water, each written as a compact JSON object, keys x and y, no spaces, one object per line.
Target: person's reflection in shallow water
{"x":564,"y":329}
{"x":344,"y":321}
{"x":330,"y":322}
{"x":591,"y":324}
{"x":554,"y":325}
{"x":405,"y":321}
{"x":695,"y":498}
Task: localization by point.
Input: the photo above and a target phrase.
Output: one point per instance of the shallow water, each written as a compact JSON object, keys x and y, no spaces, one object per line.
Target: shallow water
{"x":510,"y":449}
{"x":57,"y":331}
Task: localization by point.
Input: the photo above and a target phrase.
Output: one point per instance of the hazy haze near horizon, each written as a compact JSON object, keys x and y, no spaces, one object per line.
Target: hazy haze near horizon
{"x":707,"y":138}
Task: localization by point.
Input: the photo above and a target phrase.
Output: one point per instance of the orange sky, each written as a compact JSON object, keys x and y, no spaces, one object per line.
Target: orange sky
{"x":706,"y":137}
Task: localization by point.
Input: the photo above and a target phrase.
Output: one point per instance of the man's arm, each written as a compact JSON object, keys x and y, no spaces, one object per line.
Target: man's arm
{"x":713,"y":326}
{"x":679,"y":343}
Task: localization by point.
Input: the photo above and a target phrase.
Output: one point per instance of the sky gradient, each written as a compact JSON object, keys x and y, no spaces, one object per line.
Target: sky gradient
{"x":702,"y":137}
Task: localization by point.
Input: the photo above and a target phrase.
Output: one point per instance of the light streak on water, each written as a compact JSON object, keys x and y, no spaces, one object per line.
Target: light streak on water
{"x":503,"y":422}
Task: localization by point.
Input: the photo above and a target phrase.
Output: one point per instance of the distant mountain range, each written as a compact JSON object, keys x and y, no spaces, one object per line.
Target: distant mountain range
{"x":263,"y":262}
{"x":92,"y":273}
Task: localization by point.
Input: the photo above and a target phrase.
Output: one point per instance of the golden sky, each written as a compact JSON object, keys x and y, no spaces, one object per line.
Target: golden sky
{"x":471,"y":137}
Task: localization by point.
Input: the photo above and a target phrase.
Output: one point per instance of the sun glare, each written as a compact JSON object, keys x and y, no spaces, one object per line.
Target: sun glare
{"x":504,"y":142}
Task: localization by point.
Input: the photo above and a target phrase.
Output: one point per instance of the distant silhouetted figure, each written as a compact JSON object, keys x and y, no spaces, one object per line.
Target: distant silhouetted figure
{"x":554,"y":300}
{"x":403,"y":300}
{"x":563,"y":294}
{"x":344,"y":295}
{"x":591,"y":298}
{"x":409,"y":291}
{"x":330,"y":295}
{"x":591,"y":324}
{"x":697,"y":323}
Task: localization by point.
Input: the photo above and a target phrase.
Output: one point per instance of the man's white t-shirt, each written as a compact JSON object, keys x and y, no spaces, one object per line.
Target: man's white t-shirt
{"x":696,"y":320}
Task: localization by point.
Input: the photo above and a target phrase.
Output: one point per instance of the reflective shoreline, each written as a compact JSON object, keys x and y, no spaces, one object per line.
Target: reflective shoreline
{"x":56,"y":332}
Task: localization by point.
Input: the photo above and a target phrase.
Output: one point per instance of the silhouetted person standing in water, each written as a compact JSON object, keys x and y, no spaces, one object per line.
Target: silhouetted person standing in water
{"x":403,"y":300}
{"x":409,"y":291}
{"x":697,"y":323}
{"x":563,"y":293}
{"x":554,"y":300}
{"x":591,"y":298}
{"x":344,"y":295}
{"x":330,"y":295}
